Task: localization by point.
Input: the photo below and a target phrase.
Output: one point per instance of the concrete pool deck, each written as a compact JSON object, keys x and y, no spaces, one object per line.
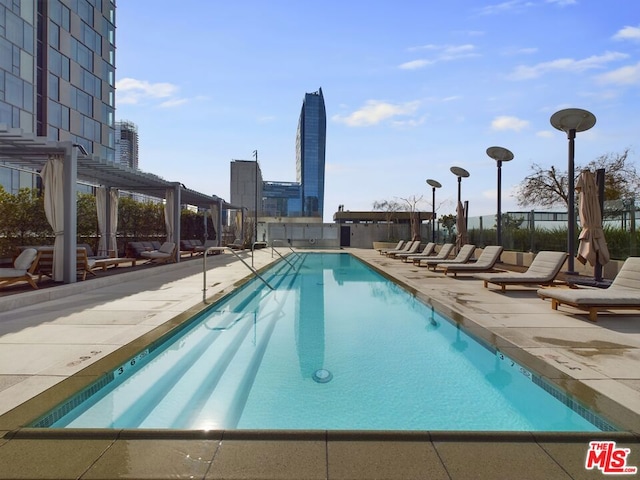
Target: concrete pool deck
{"x":55,"y":341}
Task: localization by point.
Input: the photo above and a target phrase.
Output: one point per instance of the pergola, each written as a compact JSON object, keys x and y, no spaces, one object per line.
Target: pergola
{"x":23,"y":149}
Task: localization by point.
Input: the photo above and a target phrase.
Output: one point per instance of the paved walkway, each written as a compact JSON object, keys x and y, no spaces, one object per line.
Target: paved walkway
{"x":69,"y":332}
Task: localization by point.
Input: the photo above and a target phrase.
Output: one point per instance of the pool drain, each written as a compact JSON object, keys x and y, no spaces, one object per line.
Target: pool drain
{"x":322,"y":376}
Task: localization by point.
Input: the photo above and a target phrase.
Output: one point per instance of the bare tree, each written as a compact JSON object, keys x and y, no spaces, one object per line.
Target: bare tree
{"x":412,"y":203}
{"x":549,"y":187}
{"x":390,"y":208}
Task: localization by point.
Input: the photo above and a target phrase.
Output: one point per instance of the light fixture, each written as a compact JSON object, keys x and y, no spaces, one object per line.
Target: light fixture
{"x":499,"y":154}
{"x":434,"y":184}
{"x":571,"y":121}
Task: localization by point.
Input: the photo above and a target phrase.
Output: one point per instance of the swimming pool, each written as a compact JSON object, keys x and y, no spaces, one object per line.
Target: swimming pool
{"x":334,"y":346}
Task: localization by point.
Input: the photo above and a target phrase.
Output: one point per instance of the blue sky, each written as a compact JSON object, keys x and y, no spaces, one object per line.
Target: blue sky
{"x":411,"y":88}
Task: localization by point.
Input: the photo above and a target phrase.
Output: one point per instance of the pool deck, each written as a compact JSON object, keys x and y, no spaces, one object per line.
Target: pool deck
{"x":55,"y":341}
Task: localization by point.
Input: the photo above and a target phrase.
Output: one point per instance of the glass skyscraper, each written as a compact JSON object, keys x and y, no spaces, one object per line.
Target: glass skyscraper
{"x":305,"y":196}
{"x":311,"y":142}
{"x":57,"y":74}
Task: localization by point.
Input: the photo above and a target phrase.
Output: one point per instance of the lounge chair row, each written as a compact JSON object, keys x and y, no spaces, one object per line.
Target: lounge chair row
{"x":622,"y":294}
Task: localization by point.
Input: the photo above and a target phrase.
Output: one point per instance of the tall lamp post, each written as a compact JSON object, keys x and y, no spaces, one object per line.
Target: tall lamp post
{"x":434,"y":184}
{"x":255,"y":209}
{"x":572,"y":121}
{"x":499,"y":154}
{"x":460,"y":173}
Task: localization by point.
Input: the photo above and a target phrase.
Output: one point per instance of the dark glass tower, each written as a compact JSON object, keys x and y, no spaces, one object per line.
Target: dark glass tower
{"x":311,"y":141}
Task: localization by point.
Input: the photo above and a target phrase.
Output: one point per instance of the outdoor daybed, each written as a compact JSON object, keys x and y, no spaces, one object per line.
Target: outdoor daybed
{"x":464,"y":255}
{"x":623,"y":294}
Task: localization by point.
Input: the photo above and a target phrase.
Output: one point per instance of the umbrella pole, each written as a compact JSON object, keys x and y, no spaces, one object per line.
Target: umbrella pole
{"x":597,"y":269}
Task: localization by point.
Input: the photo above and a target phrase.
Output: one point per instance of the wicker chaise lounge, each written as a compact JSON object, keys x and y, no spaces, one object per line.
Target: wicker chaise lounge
{"x":543,"y":271}
{"x":622,"y":294}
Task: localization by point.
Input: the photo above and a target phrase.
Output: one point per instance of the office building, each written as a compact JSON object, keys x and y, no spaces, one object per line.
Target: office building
{"x":127,"y":144}
{"x":57,"y":75}
{"x":305,"y":197}
{"x":311,"y":141}
{"x":246,"y":186}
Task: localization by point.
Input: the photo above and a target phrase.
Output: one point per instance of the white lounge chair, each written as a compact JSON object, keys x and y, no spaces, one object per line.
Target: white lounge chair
{"x":542,"y":271}
{"x":485,"y":262}
{"x":622,"y":294}
{"x":164,"y":254}
{"x":23,"y":269}
{"x":427,"y":251}
{"x":442,"y":254}
{"x":464,"y":255}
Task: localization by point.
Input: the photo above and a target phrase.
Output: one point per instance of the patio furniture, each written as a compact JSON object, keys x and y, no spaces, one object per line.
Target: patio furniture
{"x":400,"y":244}
{"x":623,"y":294}
{"x":442,"y":254}
{"x":237,"y":244}
{"x":164,"y":254}
{"x":485,"y":262}
{"x":464,"y":255}
{"x":426,"y":251}
{"x":23,"y":268}
{"x":410,"y":247}
{"x":543,"y":270}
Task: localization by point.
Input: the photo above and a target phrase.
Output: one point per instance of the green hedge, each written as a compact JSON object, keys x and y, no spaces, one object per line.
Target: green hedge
{"x":23,"y":222}
{"x":620,"y":242}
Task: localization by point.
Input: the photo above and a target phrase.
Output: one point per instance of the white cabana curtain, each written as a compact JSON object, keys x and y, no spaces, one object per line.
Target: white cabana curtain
{"x":114,"y":198}
{"x":214,"y":220}
{"x":168,"y":214}
{"x":107,"y":244}
{"x":52,"y":180}
{"x":101,"y":210}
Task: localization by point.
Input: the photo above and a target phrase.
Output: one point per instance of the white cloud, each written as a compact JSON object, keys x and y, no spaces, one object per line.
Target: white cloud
{"x":562,"y":3}
{"x":629,"y":75}
{"x":176,"y":102}
{"x":545,"y":134}
{"x":506,"y":122}
{"x":524,"y":72}
{"x":416,"y":64}
{"x":503,"y":7}
{"x":628,"y":33}
{"x":442,"y":53}
{"x":132,"y":91}
{"x":375,"y":111}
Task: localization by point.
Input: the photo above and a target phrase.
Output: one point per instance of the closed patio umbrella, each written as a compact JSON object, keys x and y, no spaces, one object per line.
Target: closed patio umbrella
{"x":593,"y":246}
{"x":461,"y":227}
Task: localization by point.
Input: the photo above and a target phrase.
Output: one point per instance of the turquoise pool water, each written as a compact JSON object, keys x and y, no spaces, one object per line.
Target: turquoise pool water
{"x":334,"y":346}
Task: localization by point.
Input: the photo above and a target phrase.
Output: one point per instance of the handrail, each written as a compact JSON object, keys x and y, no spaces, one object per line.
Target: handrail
{"x":286,"y":245}
{"x":204,"y":269}
{"x":280,"y":255}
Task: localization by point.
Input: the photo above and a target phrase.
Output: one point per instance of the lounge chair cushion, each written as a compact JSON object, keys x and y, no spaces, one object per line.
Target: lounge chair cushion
{"x":623,"y":291}
{"x":543,"y":269}
{"x":486,"y":261}
{"x":12,"y":272}
{"x":464,"y":255}
{"x":25,"y":259}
